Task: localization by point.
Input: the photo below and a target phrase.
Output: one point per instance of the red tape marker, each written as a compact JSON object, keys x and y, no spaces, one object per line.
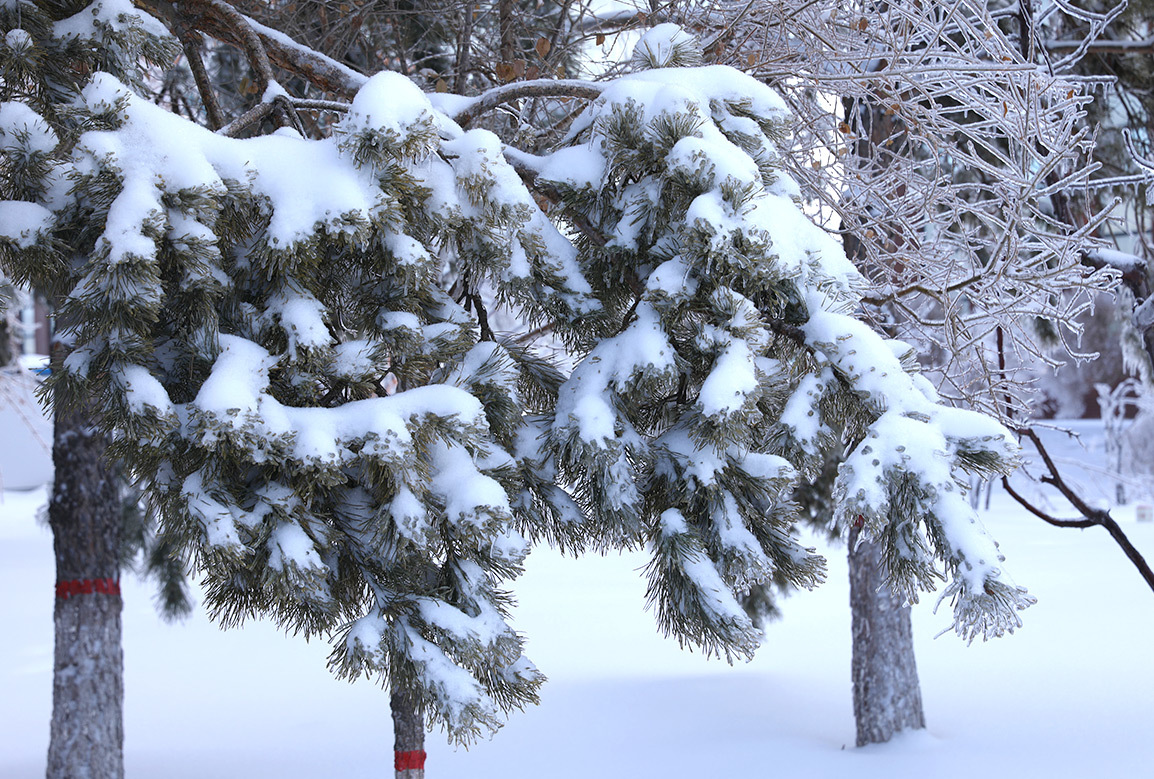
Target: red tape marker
{"x":409,"y":760}
{"x":65,"y":590}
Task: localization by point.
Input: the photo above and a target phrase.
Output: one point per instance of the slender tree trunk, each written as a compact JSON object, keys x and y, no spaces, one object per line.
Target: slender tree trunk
{"x":886,"y":695}
{"x":408,"y":737}
{"x":505,"y":13}
{"x":7,"y":353}
{"x":87,"y":739}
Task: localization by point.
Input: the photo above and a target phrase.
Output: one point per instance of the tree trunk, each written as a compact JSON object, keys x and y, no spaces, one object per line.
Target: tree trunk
{"x":408,"y":737}
{"x":87,"y":739}
{"x":7,"y":353}
{"x":886,"y":695}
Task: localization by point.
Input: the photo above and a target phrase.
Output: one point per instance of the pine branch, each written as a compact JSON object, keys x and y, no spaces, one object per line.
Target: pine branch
{"x":1091,"y":516}
{"x":790,"y":331}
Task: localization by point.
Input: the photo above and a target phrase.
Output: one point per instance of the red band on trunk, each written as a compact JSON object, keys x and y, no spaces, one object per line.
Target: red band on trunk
{"x":65,"y":590}
{"x":410,"y":760}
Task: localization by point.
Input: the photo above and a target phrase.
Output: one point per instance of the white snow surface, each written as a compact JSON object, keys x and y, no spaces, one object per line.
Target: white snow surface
{"x":22,"y":223}
{"x":1068,"y":695}
{"x":674,"y":90}
{"x":390,"y":103}
{"x":23,"y":128}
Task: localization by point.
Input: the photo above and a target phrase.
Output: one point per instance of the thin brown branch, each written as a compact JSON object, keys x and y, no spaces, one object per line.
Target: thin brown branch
{"x":544,"y":87}
{"x":508,"y":43}
{"x":535,"y":333}
{"x":1091,"y":516}
{"x":579,"y":222}
{"x":311,"y":104}
{"x":562,"y":23}
{"x":191,"y":41}
{"x":247,"y":119}
{"x":482,"y":317}
{"x":464,"y":49}
{"x":243,"y":31}
{"x":323,"y":72}
{"x":1042,"y":515}
{"x":473,"y":302}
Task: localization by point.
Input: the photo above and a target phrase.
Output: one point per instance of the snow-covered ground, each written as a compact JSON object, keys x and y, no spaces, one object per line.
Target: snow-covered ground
{"x":1070,"y":695}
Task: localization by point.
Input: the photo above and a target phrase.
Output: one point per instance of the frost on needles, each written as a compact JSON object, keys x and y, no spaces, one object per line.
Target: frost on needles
{"x":339,"y":443}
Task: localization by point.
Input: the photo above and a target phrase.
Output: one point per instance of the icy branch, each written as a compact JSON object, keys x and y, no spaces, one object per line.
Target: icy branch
{"x":930,"y":90}
{"x":1143,"y":46}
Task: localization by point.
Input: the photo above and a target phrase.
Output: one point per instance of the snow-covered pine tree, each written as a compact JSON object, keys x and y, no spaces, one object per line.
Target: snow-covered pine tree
{"x":306,"y":488}
{"x":733,"y":362}
{"x":336,"y":441}
{"x":931,"y":169}
{"x":48,"y":50}
{"x":246,"y":324}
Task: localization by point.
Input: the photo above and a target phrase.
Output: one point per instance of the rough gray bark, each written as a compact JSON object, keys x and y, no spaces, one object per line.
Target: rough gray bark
{"x":408,"y":736}
{"x":7,"y":352}
{"x":886,"y":695}
{"x":87,"y":738}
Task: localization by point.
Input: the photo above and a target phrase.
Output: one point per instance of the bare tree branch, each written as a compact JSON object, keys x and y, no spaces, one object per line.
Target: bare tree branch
{"x":250,"y":117}
{"x":560,"y":88}
{"x":953,"y":192}
{"x":191,"y":42}
{"x":1091,"y":516}
{"x":213,"y":18}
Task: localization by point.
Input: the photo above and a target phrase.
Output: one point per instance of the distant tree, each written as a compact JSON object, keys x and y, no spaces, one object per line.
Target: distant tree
{"x":1118,"y":64}
{"x":9,"y":301}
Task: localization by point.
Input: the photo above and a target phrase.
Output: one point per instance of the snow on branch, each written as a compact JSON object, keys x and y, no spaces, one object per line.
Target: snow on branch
{"x":1123,"y":262}
{"x":219,"y":20}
